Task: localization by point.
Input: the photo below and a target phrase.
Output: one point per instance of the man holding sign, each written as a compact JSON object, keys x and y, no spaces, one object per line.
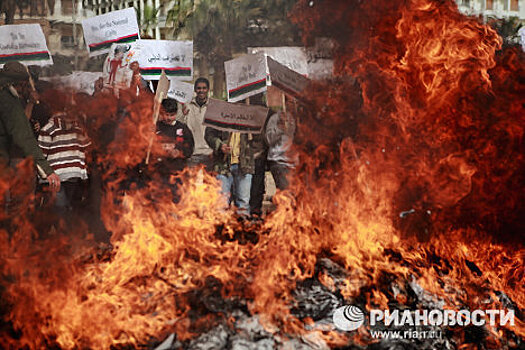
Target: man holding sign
{"x":233,"y":133}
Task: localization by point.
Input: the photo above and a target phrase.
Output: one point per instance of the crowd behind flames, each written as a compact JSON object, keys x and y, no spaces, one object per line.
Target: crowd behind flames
{"x":51,"y":150}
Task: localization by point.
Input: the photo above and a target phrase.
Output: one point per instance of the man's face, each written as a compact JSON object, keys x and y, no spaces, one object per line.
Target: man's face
{"x":202,"y":91}
{"x":166,"y":117}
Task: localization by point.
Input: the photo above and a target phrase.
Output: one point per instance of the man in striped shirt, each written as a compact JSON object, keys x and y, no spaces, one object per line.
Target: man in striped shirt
{"x":63,"y":141}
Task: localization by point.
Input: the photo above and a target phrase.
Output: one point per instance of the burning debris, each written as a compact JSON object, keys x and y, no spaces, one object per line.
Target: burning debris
{"x":408,"y":197}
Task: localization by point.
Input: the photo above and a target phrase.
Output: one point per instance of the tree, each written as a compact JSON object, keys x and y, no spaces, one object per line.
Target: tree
{"x":222,"y":28}
{"x":508,"y":29}
{"x":147,"y":19}
{"x":8,"y":8}
{"x":179,"y":14}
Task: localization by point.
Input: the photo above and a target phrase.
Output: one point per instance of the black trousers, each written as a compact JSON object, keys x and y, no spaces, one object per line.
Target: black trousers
{"x":279,"y":173}
{"x":257,"y":190}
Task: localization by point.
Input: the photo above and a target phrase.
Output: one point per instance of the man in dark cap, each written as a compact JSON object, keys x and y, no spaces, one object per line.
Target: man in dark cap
{"x":15,"y":129}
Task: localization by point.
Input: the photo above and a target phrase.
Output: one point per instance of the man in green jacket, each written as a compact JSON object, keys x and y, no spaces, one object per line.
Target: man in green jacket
{"x":233,"y":155}
{"x":15,"y":129}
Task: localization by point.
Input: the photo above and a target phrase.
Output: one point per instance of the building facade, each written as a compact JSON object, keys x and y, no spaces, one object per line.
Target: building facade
{"x":493,"y":8}
{"x":61,"y":21}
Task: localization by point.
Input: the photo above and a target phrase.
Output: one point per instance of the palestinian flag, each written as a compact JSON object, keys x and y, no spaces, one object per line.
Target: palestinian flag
{"x":105,"y":44}
{"x":24,"y":57}
{"x":241,"y":90}
{"x":170,"y":72}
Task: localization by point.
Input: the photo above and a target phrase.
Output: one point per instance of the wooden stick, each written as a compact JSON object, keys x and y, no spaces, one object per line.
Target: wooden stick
{"x":29,"y":107}
{"x":285,"y":114}
{"x":31,"y":82}
{"x":162,"y":91}
{"x":156,"y":111}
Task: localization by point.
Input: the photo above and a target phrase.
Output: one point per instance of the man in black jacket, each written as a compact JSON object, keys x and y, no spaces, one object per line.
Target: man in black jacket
{"x":176,"y":143}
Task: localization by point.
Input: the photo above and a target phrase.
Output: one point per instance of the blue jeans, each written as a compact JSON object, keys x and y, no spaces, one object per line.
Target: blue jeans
{"x":237,"y":187}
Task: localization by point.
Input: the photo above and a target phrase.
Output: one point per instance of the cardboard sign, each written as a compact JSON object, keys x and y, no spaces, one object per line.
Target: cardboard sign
{"x":102,"y":31}
{"x":76,"y":81}
{"x":174,"y":57}
{"x":180,"y":91}
{"x":235,"y":117}
{"x":321,"y":69}
{"x":245,"y":76}
{"x":162,"y":88}
{"x":293,"y":57}
{"x":116,"y":67}
{"x":320,"y":59}
{"x":286,"y":79}
{"x":25,"y":43}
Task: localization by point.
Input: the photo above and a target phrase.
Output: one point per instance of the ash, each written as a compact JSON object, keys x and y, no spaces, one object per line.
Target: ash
{"x":314,"y":301}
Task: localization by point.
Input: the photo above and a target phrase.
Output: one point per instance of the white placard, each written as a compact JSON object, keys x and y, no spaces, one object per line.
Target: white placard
{"x":174,"y":57}
{"x":245,"y":76}
{"x":286,"y":79}
{"x":24,"y":43}
{"x":102,"y":31}
{"x":77,"y":81}
{"x":521,"y":33}
{"x":116,"y":67}
{"x":321,"y":69}
{"x":293,"y":57}
{"x":180,"y":91}
{"x":235,"y":117}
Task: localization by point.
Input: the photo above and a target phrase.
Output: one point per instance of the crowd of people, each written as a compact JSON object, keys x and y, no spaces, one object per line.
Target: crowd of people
{"x":48,"y":129}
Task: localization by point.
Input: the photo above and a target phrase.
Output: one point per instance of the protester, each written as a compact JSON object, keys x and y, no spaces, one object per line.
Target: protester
{"x":177,"y":145}
{"x":233,"y":155}
{"x":63,"y":141}
{"x":15,"y":130}
{"x":257,"y":189}
{"x":279,"y":134}
{"x":192,"y":115}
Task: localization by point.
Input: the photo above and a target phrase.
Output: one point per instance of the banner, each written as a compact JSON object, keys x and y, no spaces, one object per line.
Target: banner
{"x":102,"y":31}
{"x":25,"y":43}
{"x":320,"y":59}
{"x":76,"y":81}
{"x":117,"y":65}
{"x":245,"y":76}
{"x":235,"y":117}
{"x":180,"y":91}
{"x":175,"y":57}
{"x":321,"y":69}
{"x":293,"y":57}
{"x":286,"y":79}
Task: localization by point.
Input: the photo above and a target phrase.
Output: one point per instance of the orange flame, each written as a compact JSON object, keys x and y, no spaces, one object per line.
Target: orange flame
{"x":419,"y":135}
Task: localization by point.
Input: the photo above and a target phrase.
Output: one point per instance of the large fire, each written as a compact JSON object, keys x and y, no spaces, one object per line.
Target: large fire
{"x":411,"y":171}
